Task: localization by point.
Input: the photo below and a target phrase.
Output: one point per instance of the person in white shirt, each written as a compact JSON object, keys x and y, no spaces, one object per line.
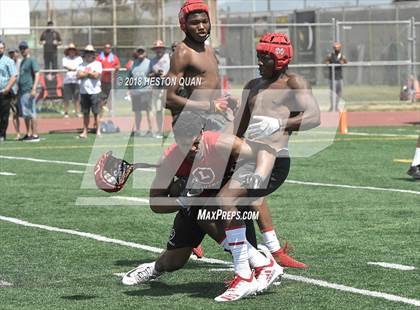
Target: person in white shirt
{"x":89,"y":74}
{"x":71,"y":85}
{"x":159,"y":67}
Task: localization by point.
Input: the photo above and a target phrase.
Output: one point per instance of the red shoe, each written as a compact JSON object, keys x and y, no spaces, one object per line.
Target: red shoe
{"x":284,"y":260}
{"x":198,"y":251}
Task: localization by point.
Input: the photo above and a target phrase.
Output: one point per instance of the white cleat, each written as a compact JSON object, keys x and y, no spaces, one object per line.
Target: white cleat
{"x":239,"y":288}
{"x":142,"y":274}
{"x":266,"y":275}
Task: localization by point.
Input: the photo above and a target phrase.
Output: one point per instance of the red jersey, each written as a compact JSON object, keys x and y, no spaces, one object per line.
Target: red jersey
{"x":109,"y":61}
{"x":209,"y":166}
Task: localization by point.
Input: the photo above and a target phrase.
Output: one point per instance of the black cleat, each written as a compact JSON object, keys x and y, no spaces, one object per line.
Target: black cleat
{"x":414,"y":172}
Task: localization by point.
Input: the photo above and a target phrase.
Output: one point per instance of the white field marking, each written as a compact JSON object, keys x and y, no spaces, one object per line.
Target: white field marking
{"x":5,"y":284}
{"x":381,"y":134}
{"x":119,"y":274}
{"x":355,"y":187}
{"x":62,"y":162}
{"x":47,"y":161}
{"x":403,"y":161}
{"x":321,"y":283}
{"x":344,"y":288}
{"x":111,"y":201}
{"x":7,"y":173}
{"x":288,"y":181}
{"x":220,"y":269}
{"x":75,"y":171}
{"x":392,"y":266}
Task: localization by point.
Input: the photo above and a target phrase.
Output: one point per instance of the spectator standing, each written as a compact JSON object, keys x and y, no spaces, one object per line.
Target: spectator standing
{"x":109,"y":60}
{"x":89,"y":74}
{"x":8,"y":76}
{"x":27,"y":86}
{"x":159,"y":67}
{"x":50,"y":39}
{"x":130,"y":62}
{"x":140,"y":94}
{"x":14,"y":104}
{"x":337,"y":59}
{"x":71,"y":85}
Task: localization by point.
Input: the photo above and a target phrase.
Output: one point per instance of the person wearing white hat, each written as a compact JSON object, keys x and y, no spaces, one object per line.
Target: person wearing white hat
{"x":89,"y":74}
{"x":71,"y":85}
{"x":159,"y":67}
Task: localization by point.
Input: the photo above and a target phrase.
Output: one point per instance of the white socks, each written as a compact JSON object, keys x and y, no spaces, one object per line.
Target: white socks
{"x":416,"y":159}
{"x":256,"y":259}
{"x":270,"y":240}
{"x":237,"y":243}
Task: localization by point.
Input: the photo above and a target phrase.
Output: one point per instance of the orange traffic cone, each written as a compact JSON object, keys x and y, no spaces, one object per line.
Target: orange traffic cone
{"x":343,"y":123}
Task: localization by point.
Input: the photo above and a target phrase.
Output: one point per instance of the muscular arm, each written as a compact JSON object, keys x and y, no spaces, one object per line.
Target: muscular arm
{"x":159,"y":190}
{"x":179,"y":63}
{"x":305,"y":103}
{"x":244,"y":114}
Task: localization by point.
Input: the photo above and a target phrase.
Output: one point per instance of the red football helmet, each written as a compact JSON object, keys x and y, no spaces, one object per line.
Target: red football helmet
{"x":188,"y":7}
{"x":278,"y":45}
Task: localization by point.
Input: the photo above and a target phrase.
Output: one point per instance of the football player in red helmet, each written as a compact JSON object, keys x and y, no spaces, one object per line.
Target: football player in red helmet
{"x":194,"y":59}
{"x":273,"y":106}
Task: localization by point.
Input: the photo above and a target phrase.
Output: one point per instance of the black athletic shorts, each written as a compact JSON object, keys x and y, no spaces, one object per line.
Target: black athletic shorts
{"x":185,"y":231}
{"x":90,"y":102}
{"x":71,"y":91}
{"x":141,"y":101}
{"x":278,"y":175}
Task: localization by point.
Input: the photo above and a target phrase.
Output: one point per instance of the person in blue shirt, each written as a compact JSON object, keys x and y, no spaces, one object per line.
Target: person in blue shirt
{"x":8,"y":76}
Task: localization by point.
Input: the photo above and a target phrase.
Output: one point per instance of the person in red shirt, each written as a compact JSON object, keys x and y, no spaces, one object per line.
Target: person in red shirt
{"x":130,"y":62}
{"x":198,"y":159}
{"x":109,"y":60}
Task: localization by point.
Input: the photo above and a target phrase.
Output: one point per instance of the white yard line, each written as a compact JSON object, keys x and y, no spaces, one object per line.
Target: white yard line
{"x":111,"y":201}
{"x":345,"y":288}
{"x":119,"y":274}
{"x":220,"y":269}
{"x":381,"y":134}
{"x":321,"y":283}
{"x":405,"y":191}
{"x":392,"y":266}
{"x":60,"y":162}
{"x":288,"y":181}
{"x":71,"y":163}
{"x":7,"y":173}
{"x":5,"y":284}
{"x":75,"y":171}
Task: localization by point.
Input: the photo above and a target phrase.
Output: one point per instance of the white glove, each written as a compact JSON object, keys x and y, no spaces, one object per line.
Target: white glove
{"x":263,"y":126}
{"x":252,"y":181}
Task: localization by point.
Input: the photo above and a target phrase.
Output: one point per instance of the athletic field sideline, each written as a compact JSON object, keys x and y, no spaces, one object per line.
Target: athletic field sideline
{"x":350,"y":212}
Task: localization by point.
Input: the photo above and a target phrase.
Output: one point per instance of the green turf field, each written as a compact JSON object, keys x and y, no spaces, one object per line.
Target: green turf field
{"x":336,"y":230}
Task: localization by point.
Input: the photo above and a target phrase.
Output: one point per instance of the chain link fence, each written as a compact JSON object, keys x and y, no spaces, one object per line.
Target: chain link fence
{"x":381,"y":54}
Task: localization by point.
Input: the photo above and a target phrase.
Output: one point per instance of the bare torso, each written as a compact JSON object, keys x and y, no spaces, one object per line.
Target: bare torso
{"x":275,"y":99}
{"x":198,"y":65}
